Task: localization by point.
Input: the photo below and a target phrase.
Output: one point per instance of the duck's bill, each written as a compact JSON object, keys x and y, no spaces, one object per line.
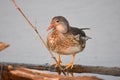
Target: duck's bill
{"x":50,"y":27}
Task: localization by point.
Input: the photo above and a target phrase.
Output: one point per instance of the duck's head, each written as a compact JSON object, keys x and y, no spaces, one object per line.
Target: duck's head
{"x":59,"y":23}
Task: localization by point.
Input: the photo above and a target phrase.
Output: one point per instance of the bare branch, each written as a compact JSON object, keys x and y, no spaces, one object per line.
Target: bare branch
{"x":114,"y":71}
{"x":35,"y":29}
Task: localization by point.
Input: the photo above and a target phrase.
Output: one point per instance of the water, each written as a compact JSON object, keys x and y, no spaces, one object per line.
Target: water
{"x":101,"y":16}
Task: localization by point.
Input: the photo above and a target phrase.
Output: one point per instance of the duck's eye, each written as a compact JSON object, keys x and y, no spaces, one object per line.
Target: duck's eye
{"x":57,"y":21}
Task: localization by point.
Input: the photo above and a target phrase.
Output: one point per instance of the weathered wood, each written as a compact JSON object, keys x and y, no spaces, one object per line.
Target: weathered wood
{"x":115,"y":71}
{"x":20,"y":73}
{"x":3,"y":46}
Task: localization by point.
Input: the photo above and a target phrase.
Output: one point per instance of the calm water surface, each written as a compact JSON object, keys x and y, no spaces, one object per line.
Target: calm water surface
{"x":103,"y":17}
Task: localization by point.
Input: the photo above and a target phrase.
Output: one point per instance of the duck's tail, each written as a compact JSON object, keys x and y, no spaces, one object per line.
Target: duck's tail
{"x":84,"y":28}
{"x":86,"y":37}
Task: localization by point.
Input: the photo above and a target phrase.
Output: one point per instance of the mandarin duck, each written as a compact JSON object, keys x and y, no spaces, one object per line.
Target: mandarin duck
{"x":65,"y":40}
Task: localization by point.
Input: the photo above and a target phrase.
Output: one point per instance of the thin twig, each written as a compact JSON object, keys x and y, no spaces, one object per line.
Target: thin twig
{"x":35,"y":29}
{"x":1,"y":71}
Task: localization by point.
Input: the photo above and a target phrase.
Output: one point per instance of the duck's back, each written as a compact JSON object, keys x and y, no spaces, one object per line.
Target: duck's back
{"x":76,"y":31}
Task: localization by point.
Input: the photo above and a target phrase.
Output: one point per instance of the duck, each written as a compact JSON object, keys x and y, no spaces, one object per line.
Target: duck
{"x":64,"y":39}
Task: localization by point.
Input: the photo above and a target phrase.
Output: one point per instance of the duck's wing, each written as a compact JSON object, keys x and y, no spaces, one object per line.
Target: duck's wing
{"x":76,"y":31}
{"x":79,"y":32}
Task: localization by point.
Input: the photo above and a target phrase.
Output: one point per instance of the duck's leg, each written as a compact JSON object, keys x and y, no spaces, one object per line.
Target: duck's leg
{"x":70,"y":65}
{"x":58,"y":63}
{"x":59,"y":60}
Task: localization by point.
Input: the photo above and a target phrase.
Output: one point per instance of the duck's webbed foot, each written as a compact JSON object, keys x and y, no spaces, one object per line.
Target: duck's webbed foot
{"x":58,"y":63}
{"x":70,"y":65}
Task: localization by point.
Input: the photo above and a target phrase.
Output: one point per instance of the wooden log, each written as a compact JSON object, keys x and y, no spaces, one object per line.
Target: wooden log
{"x":3,"y":46}
{"x":115,"y":71}
{"x":19,"y":73}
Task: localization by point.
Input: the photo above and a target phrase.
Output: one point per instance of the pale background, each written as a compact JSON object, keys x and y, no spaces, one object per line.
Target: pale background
{"x":102,"y":16}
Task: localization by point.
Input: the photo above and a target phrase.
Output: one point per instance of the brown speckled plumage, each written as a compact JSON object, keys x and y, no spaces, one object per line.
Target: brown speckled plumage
{"x":64,"y":39}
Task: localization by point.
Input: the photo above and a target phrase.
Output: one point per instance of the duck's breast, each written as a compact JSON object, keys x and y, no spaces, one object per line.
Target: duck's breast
{"x":54,"y":38}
